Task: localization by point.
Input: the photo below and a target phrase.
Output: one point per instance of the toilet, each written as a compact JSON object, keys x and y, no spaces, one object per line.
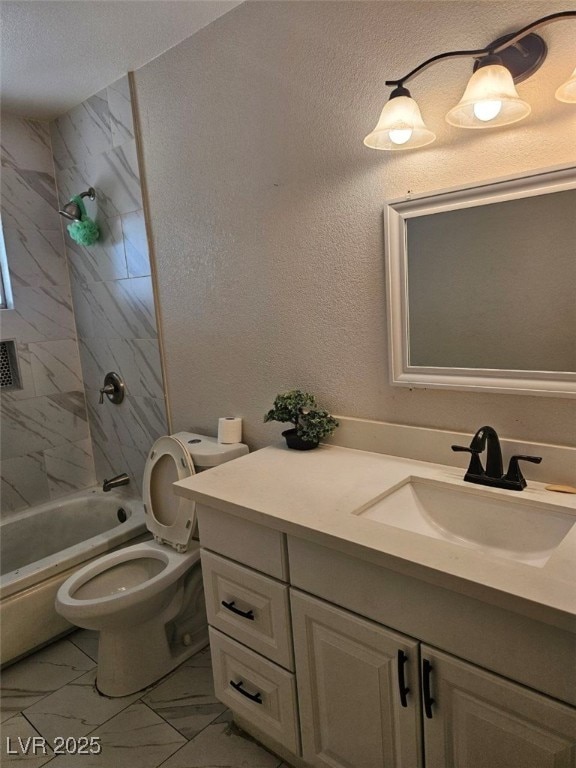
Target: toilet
{"x":147,"y":600}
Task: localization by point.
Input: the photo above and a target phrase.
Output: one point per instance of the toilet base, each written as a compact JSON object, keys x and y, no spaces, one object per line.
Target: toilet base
{"x":131,"y":659}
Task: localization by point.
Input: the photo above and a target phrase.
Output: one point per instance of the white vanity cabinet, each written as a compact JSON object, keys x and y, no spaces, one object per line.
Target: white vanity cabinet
{"x":481,"y":720}
{"x":358,"y":689}
{"x":334,"y":661}
{"x":245,"y":574}
{"x":354,"y":676}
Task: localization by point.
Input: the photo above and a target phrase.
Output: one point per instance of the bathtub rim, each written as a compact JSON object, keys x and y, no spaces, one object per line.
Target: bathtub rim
{"x":33,"y":573}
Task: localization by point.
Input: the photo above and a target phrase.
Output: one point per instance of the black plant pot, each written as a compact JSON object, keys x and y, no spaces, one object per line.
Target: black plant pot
{"x":293,"y":441}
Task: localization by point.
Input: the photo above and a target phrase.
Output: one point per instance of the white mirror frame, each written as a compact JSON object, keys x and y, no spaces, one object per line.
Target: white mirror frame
{"x":396,"y":215}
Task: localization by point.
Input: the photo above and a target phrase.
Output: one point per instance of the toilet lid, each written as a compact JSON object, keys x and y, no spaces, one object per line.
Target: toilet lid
{"x":170,"y":518}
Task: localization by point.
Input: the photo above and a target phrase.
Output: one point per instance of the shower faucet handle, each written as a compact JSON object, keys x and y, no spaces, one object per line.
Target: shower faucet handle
{"x":106,"y":390}
{"x":113,"y":389}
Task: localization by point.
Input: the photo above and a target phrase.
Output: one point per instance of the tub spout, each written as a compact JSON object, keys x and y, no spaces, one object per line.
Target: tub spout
{"x":115,"y":482}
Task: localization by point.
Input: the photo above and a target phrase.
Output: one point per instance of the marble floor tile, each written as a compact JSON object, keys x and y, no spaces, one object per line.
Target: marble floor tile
{"x":40,"y":674}
{"x":87,"y":641}
{"x":135,"y":738}
{"x":16,"y":735}
{"x":201,"y":659}
{"x":186,"y":700}
{"x":222,"y":745}
{"x":76,"y":709}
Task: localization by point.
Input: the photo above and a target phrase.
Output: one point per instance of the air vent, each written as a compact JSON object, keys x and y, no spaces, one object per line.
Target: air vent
{"x":9,"y":375}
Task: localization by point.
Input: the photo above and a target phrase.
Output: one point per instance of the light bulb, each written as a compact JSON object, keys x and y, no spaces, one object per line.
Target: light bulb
{"x":490,"y":98}
{"x":487,"y":109}
{"x":400,"y":135}
{"x":400,"y":125}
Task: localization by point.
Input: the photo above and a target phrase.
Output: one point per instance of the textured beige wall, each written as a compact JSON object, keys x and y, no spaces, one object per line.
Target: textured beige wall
{"x":266,"y":209}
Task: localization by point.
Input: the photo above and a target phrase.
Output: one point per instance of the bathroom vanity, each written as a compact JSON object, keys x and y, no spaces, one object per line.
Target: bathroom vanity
{"x":346,"y":633}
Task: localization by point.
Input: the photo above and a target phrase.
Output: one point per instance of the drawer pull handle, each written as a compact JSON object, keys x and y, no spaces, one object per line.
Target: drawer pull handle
{"x":428,"y":700}
{"x":252,"y":696}
{"x":232,"y":607}
{"x":403,"y":688}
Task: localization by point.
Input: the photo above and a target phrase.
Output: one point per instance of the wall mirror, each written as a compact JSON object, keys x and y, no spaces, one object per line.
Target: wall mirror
{"x":481,"y":286}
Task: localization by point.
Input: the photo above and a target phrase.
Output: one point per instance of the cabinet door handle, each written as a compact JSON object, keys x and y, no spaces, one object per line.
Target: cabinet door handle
{"x":256,"y":697}
{"x":428,"y":700}
{"x":402,"y":687}
{"x":232,"y":607}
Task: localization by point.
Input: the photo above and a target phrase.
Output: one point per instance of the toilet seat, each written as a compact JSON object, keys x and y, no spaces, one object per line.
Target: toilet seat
{"x":170,"y":518}
{"x":75,"y":593}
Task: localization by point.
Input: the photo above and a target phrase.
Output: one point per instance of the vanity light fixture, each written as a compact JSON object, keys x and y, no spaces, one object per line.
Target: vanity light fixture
{"x":567,"y":91}
{"x":490,"y":98}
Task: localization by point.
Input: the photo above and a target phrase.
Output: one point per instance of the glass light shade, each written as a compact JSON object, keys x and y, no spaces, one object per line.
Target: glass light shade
{"x":567,"y":91}
{"x":490,"y":100}
{"x":400,"y":126}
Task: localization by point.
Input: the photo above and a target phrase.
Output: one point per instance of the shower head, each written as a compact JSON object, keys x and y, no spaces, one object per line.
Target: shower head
{"x":72,"y":210}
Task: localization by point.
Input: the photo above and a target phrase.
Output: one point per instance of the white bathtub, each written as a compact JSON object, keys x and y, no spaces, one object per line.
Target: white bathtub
{"x":43,"y":546}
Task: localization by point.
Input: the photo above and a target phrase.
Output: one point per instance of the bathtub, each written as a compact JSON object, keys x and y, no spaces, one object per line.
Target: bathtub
{"x":43,"y":546}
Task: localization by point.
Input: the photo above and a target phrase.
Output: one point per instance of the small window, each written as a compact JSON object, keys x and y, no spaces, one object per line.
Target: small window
{"x":5,"y":289}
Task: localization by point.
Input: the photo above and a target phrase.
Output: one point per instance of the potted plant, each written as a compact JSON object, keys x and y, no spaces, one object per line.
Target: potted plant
{"x":311,"y":424}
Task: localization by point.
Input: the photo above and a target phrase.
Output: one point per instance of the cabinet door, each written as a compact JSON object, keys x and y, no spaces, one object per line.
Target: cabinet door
{"x":347,"y":668}
{"x":480,"y":720}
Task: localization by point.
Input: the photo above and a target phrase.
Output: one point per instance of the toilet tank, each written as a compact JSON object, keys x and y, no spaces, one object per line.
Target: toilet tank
{"x":207,"y":452}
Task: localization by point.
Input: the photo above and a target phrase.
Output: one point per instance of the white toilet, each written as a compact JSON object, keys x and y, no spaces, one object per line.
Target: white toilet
{"x":147,"y":600}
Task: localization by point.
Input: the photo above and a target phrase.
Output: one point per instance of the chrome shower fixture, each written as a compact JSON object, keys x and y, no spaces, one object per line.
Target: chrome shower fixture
{"x":72,"y":210}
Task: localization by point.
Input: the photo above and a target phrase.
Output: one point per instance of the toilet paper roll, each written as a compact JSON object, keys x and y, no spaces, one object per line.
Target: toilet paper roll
{"x":229,"y":430}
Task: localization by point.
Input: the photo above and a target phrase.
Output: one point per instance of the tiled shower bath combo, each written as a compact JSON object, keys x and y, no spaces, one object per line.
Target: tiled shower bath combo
{"x":78,"y":312}
{"x":94,"y":145}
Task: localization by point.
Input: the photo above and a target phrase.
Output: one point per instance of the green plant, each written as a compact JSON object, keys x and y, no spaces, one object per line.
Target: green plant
{"x":312,"y":424}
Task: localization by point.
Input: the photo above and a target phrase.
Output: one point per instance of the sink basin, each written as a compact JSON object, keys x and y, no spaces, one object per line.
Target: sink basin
{"x":489,"y":521}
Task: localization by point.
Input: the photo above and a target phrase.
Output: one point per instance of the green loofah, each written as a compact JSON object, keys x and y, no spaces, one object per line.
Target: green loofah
{"x":86,"y":231}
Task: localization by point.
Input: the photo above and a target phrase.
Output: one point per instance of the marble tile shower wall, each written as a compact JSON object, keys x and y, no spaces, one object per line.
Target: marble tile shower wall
{"x":45,"y":444}
{"x":94,"y":145}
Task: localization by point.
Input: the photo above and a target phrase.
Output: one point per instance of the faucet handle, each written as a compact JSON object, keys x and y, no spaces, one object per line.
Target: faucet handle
{"x":108,"y":389}
{"x":475,"y":467}
{"x":514,"y":474}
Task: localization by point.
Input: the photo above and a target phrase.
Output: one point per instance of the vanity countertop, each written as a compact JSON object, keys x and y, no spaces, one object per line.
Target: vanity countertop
{"x":316,"y":495}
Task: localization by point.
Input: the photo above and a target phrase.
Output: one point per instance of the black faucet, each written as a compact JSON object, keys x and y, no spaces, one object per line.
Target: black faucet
{"x":487,"y":437}
{"x":115,"y":482}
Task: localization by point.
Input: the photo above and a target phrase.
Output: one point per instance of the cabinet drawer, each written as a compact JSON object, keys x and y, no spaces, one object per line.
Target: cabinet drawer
{"x":250,"y":607}
{"x":249,"y":543}
{"x":258,"y":690}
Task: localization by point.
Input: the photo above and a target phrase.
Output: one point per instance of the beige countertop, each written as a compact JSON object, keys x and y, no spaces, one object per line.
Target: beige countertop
{"x":316,"y":495}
